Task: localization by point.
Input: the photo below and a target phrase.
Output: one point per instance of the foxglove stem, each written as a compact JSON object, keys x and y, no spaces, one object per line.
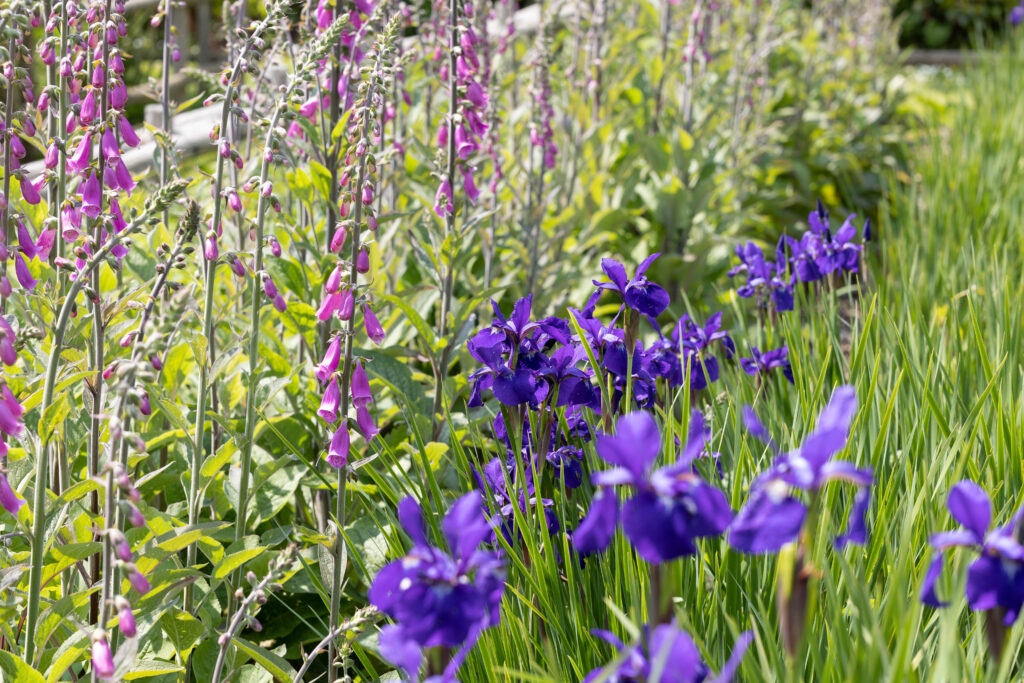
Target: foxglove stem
{"x":8,"y":135}
{"x":39,"y":495}
{"x":666,"y":22}
{"x":258,"y":594}
{"x":165,"y":99}
{"x":97,"y":350}
{"x":382,"y":48}
{"x":441,"y":367}
{"x":210,"y":268}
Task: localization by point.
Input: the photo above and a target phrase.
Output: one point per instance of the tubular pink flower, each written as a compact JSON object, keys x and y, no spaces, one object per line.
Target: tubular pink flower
{"x":102,"y":659}
{"x":92,"y":195}
{"x":87,"y":110}
{"x":330,"y":402}
{"x":127,"y":132}
{"x":8,"y":498}
{"x":366,"y":425}
{"x":337,"y":453}
{"x":373,"y":327}
{"x":332,"y":357}
{"x":360,"y":387}
{"x":25,"y":278}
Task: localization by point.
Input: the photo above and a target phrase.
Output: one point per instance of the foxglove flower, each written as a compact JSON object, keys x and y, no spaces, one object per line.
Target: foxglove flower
{"x":337,"y":453}
{"x":8,"y":498}
{"x":773,"y":516}
{"x":668,"y":508}
{"x":671,"y":653}
{"x":102,"y":658}
{"x":995,"y":581}
{"x":437,"y":598}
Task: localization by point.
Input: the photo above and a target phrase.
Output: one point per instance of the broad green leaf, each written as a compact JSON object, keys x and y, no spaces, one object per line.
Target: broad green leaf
{"x":278,"y":667}
{"x":183,"y":629}
{"x":235,"y":560}
{"x":14,"y":669}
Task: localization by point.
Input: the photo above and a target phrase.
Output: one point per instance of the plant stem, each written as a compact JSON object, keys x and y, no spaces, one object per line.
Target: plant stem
{"x":95,"y":421}
{"x":210,"y":268}
{"x":39,"y":494}
{"x":441,"y":368}
{"x":254,"y":329}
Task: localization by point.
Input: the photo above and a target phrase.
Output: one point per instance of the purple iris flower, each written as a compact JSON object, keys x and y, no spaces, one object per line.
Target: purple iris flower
{"x":638,"y":293}
{"x":669,"y":655}
{"x":511,"y":386}
{"x":436,"y":598}
{"x":514,"y":350}
{"x":502,"y":481}
{"x":819,"y":253}
{"x":572,"y":384}
{"x":668,"y":509}
{"x":996,"y":578}
{"x":773,"y":516}
{"x":695,"y":341}
{"x":764,"y":363}
{"x":767,"y":281}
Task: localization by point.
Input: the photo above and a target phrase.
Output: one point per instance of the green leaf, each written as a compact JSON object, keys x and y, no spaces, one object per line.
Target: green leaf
{"x":52,"y":421}
{"x":235,"y":560}
{"x":274,"y":664}
{"x":426,"y":332}
{"x":14,"y":668}
{"x":147,"y":668}
{"x":182,"y":629}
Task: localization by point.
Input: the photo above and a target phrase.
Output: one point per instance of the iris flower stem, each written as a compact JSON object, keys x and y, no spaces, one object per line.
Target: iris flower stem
{"x":441,"y":368}
{"x":39,"y":493}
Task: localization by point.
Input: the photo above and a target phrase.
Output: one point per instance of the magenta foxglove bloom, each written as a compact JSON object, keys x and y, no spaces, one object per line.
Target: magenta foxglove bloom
{"x":773,"y":516}
{"x":11,"y":411}
{"x":332,"y":357}
{"x":443,"y":205}
{"x":996,"y":579}
{"x":25,"y":278}
{"x":92,"y":196}
{"x":361,"y":395}
{"x":8,"y":354}
{"x":669,"y":650}
{"x":109,"y":147}
{"x":668,"y":508}
{"x":8,"y":498}
{"x":437,"y":598}
{"x":87,"y":111}
{"x":102,"y":658}
{"x":79,"y":160}
{"x":637,"y":292}
{"x":125,"y":618}
{"x":373,"y":328}
{"x":127,"y":132}
{"x":363,"y":261}
{"x":365,"y":422}
{"x":138,"y":581}
{"x":337,"y":453}
{"x":30,"y":192}
{"x":331,"y":401}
